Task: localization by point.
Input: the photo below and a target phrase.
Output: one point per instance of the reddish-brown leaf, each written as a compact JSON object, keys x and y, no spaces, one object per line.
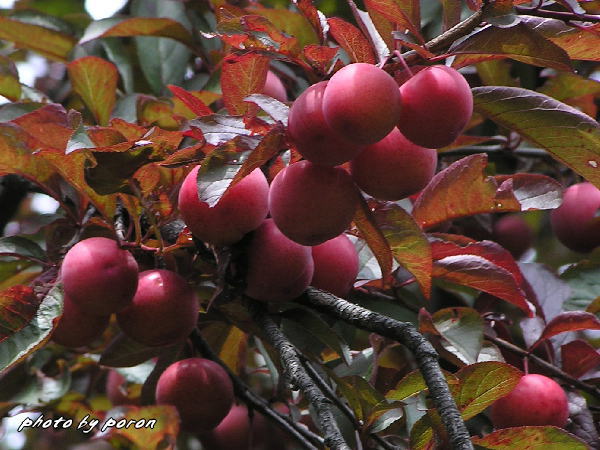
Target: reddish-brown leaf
{"x":352,"y":40}
{"x":406,"y":14}
{"x":48,"y":124}
{"x":370,"y":232}
{"x":18,"y":305}
{"x":268,"y":147}
{"x":517,"y":42}
{"x":462,"y":189}
{"x":95,"y":81}
{"x":190,"y":100}
{"x":320,"y":57}
{"x":482,"y":274}
{"x":49,"y":43}
{"x":241,"y":76}
{"x":530,"y":438}
{"x":308,"y":9}
{"x":579,"y":43}
{"x":569,"y":321}
{"x":578,"y":357}
{"x":408,"y":243}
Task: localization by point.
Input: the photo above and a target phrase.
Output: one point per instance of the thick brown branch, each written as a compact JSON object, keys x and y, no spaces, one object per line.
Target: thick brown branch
{"x":296,"y":374}
{"x":405,"y":333}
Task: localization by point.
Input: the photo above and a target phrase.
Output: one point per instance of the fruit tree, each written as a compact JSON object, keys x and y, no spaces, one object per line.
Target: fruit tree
{"x":303,"y":224}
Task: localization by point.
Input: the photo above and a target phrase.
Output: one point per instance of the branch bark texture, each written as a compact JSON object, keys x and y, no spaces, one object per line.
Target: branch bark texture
{"x":405,"y":333}
{"x":298,"y":377}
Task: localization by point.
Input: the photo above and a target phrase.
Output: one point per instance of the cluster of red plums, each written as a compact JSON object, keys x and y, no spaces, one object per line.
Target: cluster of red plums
{"x":361,"y":117}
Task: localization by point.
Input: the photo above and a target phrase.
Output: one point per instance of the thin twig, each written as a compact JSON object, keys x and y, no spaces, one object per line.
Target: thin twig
{"x":560,"y":15}
{"x":546,"y":365}
{"x":299,"y":378}
{"x":305,"y":437}
{"x":405,"y":333}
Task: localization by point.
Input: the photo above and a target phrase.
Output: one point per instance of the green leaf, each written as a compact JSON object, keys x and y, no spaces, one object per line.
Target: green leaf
{"x":565,"y":86}
{"x":413,"y":383}
{"x":584,"y":280}
{"x":517,"y":42}
{"x":569,"y":135}
{"x":290,"y":23}
{"x":21,"y":247}
{"x":117,"y":54}
{"x":318,"y":328}
{"x":138,"y":26}
{"x":10,"y":87}
{"x":481,"y":384}
{"x":50,"y":43}
{"x":163,"y":60}
{"x":125,"y":352}
{"x":95,"y":81}
{"x":36,"y":333}
{"x":530,"y":438}
{"x":463,"y":329}
{"x":408,"y":243}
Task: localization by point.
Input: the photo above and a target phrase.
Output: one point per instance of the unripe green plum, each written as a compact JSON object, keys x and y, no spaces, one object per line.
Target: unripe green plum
{"x":275,"y":88}
{"x":238,"y":212}
{"x":536,"y":400}
{"x":336,"y":265}
{"x":98,"y":276}
{"x":576,"y":222}
{"x":312,"y":137}
{"x":437,"y":104}
{"x":312,"y":204}
{"x":514,"y":234}
{"x":362,"y":103}
{"x":393,"y":168}
{"x":76,"y":327}
{"x":279,"y":269}
{"x":164,"y":309}
{"x":200,"y":390}
{"x":116,"y":389}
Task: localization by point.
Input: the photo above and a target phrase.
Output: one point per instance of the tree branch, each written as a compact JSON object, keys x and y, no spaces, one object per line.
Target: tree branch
{"x":298,"y":377}
{"x":546,"y":365}
{"x":566,"y":16}
{"x":305,"y":437}
{"x":329,"y":392}
{"x":443,"y":41}
{"x":405,"y":333}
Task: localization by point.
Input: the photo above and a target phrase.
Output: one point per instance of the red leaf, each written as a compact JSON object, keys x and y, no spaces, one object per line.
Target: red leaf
{"x":370,"y":232}
{"x":579,"y":357}
{"x":190,"y":100}
{"x":480,"y":273}
{"x":18,"y":305}
{"x":48,"y":124}
{"x":311,"y":13}
{"x":401,"y":12}
{"x":487,"y":249}
{"x":241,"y":76}
{"x":569,"y":321}
{"x":462,"y":189}
{"x":320,"y":57}
{"x":352,"y":40}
